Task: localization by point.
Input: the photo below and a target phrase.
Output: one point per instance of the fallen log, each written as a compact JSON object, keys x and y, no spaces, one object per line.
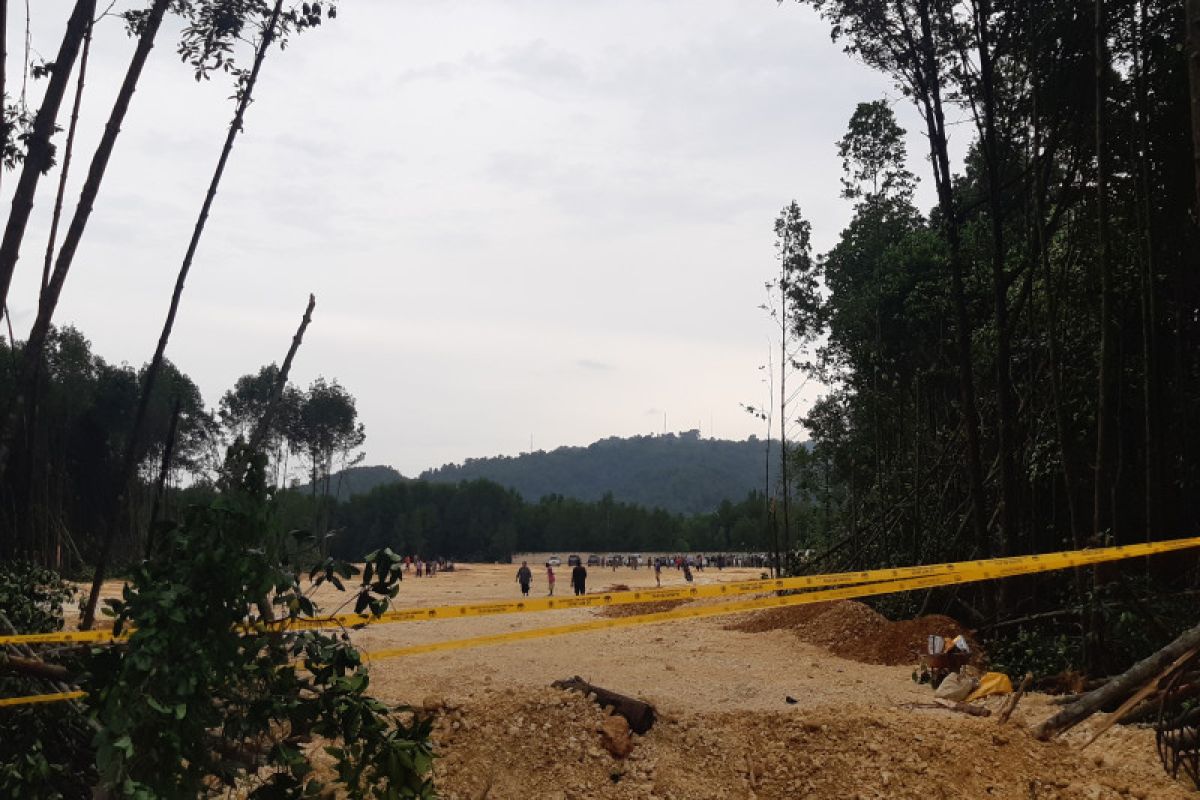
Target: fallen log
{"x":952,"y":705}
{"x":1147,"y":710}
{"x":964,"y":708}
{"x":1121,"y":686}
{"x":34,"y":668}
{"x":1138,"y":696}
{"x":640,"y":715}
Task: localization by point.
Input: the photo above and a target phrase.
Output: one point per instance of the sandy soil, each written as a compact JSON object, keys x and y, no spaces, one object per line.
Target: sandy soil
{"x":727,"y":727}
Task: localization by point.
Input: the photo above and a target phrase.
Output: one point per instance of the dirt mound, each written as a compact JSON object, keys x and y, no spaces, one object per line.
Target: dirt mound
{"x":548,"y":744}
{"x":637,"y":609}
{"x":855,"y":631}
{"x":904,"y":641}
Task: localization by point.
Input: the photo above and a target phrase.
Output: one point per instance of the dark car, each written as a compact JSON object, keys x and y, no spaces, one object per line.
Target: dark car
{"x":573,"y":561}
{"x":593,"y":561}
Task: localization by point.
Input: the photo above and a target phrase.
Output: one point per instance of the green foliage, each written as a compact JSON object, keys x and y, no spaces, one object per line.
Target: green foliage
{"x":1036,"y":650}
{"x":874,"y":155}
{"x":208,"y":694}
{"x":45,"y":751}
{"x":65,"y":479}
{"x":32,"y":597}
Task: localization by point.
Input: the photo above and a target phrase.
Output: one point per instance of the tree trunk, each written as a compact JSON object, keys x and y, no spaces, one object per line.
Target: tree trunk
{"x":129,"y":462}
{"x":939,"y":155}
{"x":4,"y":132}
{"x":163,"y":471}
{"x":1192,"y":9}
{"x":39,"y":154}
{"x":1004,"y":402}
{"x":1120,"y":687}
{"x":1148,"y":303}
{"x":262,"y":428}
{"x":639,"y":714}
{"x":1061,"y":425}
{"x":1103,"y":517}
{"x":65,"y":172}
{"x":36,"y":342}
{"x":1104,"y":497}
{"x":785,"y":490}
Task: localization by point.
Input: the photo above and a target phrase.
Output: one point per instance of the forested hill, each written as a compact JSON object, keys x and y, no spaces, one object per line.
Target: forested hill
{"x":681,"y":473}
{"x":355,"y":480}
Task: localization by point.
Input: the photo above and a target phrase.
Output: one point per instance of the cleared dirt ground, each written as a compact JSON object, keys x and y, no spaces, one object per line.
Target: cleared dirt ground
{"x":726,"y":728}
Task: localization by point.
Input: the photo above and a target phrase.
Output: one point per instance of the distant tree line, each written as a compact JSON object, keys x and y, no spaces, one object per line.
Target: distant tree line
{"x":482,"y":521}
{"x":58,"y":494}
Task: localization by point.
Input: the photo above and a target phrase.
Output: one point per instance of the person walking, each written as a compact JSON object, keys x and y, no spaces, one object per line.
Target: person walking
{"x":658,"y":574}
{"x":687,"y":572}
{"x":524,"y":577}
{"x":550,"y":577}
{"x":579,"y":579}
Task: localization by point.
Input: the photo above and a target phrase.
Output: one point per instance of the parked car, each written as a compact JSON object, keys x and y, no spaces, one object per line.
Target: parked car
{"x":593,"y":561}
{"x":573,"y":560}
{"x":554,"y":561}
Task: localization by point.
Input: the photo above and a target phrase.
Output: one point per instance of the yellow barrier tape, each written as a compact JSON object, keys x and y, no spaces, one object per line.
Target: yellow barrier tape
{"x":963,"y":572}
{"x":63,"y":637}
{"x":1063,"y":559}
{"x":1044,"y":562}
{"x":29,"y":700}
{"x":1006,"y":568}
{"x":1035,"y":563}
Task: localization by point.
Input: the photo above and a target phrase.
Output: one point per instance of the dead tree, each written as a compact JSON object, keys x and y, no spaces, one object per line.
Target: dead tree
{"x":263,"y":428}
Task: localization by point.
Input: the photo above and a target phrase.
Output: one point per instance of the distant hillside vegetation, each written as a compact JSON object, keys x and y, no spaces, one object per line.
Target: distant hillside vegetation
{"x":679,"y":473}
{"x":356,"y":480}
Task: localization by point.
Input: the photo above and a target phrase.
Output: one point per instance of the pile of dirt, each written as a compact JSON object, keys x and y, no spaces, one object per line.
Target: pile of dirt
{"x":905,"y":641}
{"x":637,"y":609}
{"x":549,"y":744}
{"x":855,"y":631}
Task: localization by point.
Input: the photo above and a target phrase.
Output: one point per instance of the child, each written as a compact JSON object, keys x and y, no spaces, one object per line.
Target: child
{"x":550,"y":577}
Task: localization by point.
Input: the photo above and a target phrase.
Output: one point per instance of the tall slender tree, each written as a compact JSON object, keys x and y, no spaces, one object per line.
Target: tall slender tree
{"x":39,"y":152}
{"x":245,"y":93}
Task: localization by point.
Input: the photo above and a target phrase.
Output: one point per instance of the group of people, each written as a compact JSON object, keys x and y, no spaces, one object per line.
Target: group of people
{"x":578,"y":578}
{"x":427,"y":569}
{"x":579,"y":575}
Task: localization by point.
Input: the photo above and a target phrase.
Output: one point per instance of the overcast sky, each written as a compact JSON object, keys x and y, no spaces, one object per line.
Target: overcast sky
{"x":521,"y":218}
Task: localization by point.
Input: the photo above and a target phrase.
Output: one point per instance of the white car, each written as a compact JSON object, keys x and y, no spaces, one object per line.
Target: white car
{"x":554,"y":561}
